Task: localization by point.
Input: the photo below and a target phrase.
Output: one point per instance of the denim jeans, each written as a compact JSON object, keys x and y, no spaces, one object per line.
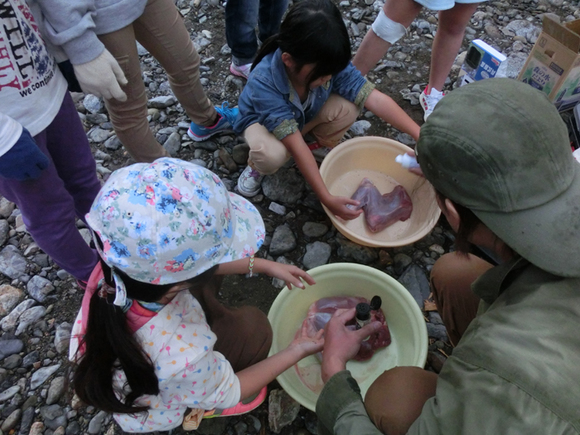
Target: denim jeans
{"x":242,"y":16}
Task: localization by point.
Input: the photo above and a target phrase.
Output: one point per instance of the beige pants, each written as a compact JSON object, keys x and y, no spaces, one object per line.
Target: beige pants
{"x":160,"y":29}
{"x":395,"y":399}
{"x":268,"y":154}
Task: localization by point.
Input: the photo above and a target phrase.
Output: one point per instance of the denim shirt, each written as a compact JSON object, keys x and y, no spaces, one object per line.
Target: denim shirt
{"x":270,"y":100}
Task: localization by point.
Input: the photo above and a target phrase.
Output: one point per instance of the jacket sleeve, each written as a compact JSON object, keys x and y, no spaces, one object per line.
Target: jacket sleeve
{"x":340,"y":408}
{"x":69,"y":25}
{"x":352,"y":86}
{"x":263,"y":103}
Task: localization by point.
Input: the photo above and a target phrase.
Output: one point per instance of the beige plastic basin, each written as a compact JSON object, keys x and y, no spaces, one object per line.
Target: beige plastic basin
{"x":374,"y":157}
{"x":404,"y":318}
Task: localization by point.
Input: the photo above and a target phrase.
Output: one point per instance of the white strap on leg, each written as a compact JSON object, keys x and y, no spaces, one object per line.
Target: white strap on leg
{"x":387,"y":29}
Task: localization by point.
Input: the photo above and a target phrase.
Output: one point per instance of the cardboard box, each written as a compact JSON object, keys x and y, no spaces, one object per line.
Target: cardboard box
{"x":482,"y":61}
{"x":553,"y":66}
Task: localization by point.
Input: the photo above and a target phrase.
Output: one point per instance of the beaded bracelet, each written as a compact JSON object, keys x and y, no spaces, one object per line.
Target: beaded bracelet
{"x":251,"y":266}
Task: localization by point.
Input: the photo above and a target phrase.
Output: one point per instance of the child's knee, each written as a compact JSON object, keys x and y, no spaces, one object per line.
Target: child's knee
{"x":267,"y":159}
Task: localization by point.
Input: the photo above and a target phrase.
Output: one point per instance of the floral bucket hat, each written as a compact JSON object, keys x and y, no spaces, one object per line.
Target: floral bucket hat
{"x":171,"y":220}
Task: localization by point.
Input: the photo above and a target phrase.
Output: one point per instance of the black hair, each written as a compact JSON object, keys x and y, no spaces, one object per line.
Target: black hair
{"x":109,"y":345}
{"x":313,"y":32}
{"x":468,"y":223}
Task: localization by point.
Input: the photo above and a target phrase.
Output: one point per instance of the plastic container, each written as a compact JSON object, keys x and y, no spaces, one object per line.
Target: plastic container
{"x":404,"y":318}
{"x":374,"y":157}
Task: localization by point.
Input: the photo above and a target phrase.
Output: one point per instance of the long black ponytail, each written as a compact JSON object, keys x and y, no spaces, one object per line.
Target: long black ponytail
{"x":313,"y":32}
{"x":109,"y":345}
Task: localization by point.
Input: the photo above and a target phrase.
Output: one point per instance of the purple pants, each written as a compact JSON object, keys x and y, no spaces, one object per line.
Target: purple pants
{"x":64,"y":191}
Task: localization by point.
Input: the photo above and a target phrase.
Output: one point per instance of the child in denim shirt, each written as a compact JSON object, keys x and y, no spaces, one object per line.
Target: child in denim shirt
{"x":303,"y":82}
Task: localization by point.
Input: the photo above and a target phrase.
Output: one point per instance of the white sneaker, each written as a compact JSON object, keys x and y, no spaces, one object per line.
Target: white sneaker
{"x":249,"y":183}
{"x":241,"y":70}
{"x":429,"y":101}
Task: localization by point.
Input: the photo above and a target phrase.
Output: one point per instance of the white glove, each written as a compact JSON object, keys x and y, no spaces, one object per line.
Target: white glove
{"x":102,"y":77}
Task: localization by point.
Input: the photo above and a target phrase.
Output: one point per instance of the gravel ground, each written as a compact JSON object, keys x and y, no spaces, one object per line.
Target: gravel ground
{"x":38,"y":302}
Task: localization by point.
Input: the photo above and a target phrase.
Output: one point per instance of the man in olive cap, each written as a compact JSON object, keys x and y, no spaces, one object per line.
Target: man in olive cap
{"x":498,"y":154}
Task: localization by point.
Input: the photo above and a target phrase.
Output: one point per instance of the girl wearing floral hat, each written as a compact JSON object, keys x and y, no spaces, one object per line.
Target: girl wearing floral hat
{"x":151,"y":340}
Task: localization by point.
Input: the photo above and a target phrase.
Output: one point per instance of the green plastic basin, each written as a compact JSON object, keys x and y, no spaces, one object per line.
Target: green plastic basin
{"x":404,"y":318}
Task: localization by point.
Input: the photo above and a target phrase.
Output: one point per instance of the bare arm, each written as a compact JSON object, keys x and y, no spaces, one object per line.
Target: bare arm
{"x":291,"y":275}
{"x":307,"y":165}
{"x":389,"y":111}
{"x":257,"y":376}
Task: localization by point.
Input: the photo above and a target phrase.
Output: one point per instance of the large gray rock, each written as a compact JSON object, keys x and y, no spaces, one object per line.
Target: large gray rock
{"x":12,"y":263}
{"x":40,"y":376}
{"x":283,"y":241}
{"x":29,"y":317}
{"x":39,"y":288}
{"x":352,"y":251}
{"x":285,"y":186}
{"x":282,"y":410}
{"x":416,"y":282}
{"x":317,"y":254}
{"x":9,"y":298}
{"x":10,"y":347}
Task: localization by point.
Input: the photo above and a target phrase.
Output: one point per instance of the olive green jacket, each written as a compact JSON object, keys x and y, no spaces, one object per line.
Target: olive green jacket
{"x":515,"y":371}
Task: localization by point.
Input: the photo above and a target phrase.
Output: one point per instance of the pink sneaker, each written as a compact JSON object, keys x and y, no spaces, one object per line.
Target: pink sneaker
{"x":241,"y":70}
{"x":193,"y":419}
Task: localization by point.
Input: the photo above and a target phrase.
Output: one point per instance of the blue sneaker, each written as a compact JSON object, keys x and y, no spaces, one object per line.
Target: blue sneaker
{"x":227,"y":117}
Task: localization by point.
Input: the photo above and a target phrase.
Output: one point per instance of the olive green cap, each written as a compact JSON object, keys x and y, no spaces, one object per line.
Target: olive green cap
{"x":500,"y":148}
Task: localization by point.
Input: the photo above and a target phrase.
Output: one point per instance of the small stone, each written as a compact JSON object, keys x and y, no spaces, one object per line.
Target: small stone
{"x":285,"y":186}
{"x":8,"y":323}
{"x":227,"y":160}
{"x":11,"y":420}
{"x":416,"y":282}
{"x":9,"y":298}
{"x":40,"y":376}
{"x":240,"y":154}
{"x":314,"y":229}
{"x":282,"y":410}
{"x":29,"y":317}
{"x":277,"y":208}
{"x":162,"y":101}
{"x":173,"y":144}
{"x":283,"y":240}
{"x":4,"y":230}
{"x":352,"y":251}
{"x":6,"y":208}
{"x":12,"y":362}
{"x":93,"y":103}
{"x":240,"y":428}
{"x":359,"y":128}
{"x":97,"y":422}
{"x":56,"y":390}
{"x":39,"y":288}
{"x":437,"y":249}
{"x":9,"y":393}
{"x":37,"y":428}
{"x":53,"y":416}
{"x":98,"y":135}
{"x":12,"y":263}
{"x":317,"y":254}
{"x":62,"y":337}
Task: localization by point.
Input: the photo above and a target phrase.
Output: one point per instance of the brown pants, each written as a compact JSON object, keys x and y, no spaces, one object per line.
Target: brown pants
{"x":268,"y":154}
{"x":244,"y":335}
{"x":395,"y":400}
{"x":160,"y":29}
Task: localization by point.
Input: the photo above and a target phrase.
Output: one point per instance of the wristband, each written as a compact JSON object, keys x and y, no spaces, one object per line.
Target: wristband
{"x":251,"y":266}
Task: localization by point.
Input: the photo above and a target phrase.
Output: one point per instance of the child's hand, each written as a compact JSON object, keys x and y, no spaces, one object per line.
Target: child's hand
{"x":308,"y":345}
{"x":416,"y":171}
{"x":338,"y":206}
{"x":291,"y":275}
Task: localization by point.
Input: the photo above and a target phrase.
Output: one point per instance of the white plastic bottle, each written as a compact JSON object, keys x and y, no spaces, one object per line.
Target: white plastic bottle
{"x":407,"y":161}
